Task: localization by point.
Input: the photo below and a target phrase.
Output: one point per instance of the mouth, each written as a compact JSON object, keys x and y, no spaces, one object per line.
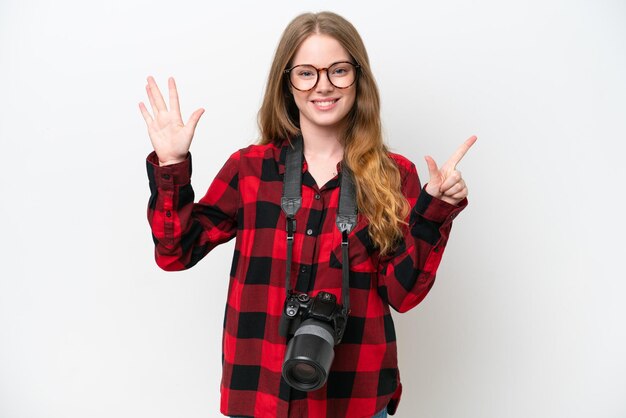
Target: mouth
{"x":324,"y":104}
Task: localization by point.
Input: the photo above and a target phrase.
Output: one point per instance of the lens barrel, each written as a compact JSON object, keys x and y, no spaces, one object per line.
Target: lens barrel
{"x":309,"y":355}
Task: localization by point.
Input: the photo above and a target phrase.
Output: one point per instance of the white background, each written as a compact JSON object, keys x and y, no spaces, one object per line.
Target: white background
{"x":527,"y":317}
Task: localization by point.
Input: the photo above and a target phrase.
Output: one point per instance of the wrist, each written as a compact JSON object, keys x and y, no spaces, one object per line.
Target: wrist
{"x":433,"y":191}
{"x":170,"y":162}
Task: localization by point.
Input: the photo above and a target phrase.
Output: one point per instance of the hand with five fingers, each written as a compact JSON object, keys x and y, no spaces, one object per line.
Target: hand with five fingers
{"x":170,"y":138}
{"x":446,"y":182}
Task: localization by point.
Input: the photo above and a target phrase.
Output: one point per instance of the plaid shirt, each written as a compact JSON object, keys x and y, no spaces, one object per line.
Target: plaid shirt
{"x":244,"y":202}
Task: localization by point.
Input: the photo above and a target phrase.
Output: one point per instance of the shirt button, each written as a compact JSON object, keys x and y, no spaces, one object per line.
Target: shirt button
{"x":166,"y":176}
{"x":309,"y":232}
{"x":317,"y":197}
{"x":303,"y":269}
{"x":168,"y":214}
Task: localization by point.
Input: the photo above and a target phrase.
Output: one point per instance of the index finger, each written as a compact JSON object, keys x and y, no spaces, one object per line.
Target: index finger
{"x":155,"y":96}
{"x":460,"y":152}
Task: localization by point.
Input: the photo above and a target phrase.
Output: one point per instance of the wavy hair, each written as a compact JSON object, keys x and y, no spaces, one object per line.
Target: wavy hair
{"x":377,"y":178}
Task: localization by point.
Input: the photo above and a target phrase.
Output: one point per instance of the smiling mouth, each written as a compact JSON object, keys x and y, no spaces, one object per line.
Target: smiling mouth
{"x":325,"y":103}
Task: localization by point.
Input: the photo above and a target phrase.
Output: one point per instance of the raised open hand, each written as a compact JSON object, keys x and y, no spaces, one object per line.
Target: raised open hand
{"x":446,"y":182}
{"x":170,"y":138}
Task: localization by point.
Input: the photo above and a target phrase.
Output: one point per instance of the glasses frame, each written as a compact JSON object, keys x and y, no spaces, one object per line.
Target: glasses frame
{"x":319,"y":70}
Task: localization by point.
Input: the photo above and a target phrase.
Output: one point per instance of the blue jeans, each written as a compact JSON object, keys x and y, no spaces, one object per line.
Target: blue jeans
{"x":381,"y":414}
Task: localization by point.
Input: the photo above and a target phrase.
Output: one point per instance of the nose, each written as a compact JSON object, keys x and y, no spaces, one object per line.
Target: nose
{"x":323,"y":83}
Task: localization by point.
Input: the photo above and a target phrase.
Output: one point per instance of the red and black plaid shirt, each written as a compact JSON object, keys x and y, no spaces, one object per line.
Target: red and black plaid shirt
{"x":244,"y":202}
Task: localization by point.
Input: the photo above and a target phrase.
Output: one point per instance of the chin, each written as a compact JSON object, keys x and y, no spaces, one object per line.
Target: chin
{"x":327,"y":120}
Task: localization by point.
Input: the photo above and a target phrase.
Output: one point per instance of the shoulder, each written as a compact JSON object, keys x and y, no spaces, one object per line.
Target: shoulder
{"x":257,"y":151}
{"x":252,"y":153}
{"x":410,"y":182}
{"x":405,"y":165}
{"x":258,"y":161}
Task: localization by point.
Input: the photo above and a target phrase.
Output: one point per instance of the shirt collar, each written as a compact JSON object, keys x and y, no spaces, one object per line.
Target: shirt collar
{"x":280,"y":154}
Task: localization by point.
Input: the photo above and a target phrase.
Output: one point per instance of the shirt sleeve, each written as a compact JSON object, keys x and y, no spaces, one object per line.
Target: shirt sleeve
{"x":406,"y":276}
{"x":184,"y":231}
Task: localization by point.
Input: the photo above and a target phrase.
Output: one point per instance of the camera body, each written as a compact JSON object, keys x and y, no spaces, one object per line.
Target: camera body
{"x":323,"y":307}
{"x":315,"y":326}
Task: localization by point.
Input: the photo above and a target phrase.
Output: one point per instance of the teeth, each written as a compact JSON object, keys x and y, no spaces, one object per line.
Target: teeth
{"x":328,"y":103}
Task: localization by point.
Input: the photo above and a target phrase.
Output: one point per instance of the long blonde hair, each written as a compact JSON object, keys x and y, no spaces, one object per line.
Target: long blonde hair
{"x":378,"y":181}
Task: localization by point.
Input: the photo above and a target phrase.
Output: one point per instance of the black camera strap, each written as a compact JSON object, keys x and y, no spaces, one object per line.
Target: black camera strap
{"x":291,"y":202}
{"x":346,"y":221}
{"x":292,"y":198}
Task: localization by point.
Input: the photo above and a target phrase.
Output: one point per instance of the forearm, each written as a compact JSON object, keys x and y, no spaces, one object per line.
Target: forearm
{"x":409,"y":274}
{"x":185,"y":232}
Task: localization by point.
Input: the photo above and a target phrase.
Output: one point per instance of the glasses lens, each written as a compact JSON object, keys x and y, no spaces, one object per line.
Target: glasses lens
{"x":342,"y":74}
{"x":303,"y":77}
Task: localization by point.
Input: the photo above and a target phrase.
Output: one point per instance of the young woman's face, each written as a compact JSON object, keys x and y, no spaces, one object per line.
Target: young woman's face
{"x":325,"y":105}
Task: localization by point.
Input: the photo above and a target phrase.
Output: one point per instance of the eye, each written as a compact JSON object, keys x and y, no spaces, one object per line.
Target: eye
{"x":305,"y":72}
{"x":341,"y":70}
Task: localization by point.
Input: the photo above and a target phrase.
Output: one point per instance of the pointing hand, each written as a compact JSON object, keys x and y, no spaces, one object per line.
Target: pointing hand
{"x":446,"y":182}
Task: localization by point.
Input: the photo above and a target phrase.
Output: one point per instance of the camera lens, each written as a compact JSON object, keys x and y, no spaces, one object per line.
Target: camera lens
{"x":309,"y":355}
{"x":303,"y":376}
{"x":304,"y":372}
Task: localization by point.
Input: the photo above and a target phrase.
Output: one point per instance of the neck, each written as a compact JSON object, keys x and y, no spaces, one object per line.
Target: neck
{"x":321,"y":141}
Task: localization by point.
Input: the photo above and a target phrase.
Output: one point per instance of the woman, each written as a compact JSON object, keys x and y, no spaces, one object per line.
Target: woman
{"x":320,"y":91}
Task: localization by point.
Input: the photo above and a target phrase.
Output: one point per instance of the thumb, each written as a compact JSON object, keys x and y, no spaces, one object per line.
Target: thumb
{"x":433,"y":171}
{"x":194,"y":118}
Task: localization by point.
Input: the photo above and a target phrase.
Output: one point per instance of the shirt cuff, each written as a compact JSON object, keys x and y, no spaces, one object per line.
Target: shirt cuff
{"x":166,"y":177}
{"x":435,"y":209}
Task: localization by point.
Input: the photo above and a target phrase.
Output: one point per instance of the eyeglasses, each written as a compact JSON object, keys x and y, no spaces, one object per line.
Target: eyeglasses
{"x":305,"y":77}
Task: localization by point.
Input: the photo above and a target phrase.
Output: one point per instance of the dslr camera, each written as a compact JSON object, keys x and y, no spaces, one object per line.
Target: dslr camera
{"x":315,"y":326}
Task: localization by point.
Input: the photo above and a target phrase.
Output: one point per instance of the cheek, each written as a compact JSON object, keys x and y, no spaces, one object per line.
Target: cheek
{"x":350,"y":101}
{"x":299,"y":99}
